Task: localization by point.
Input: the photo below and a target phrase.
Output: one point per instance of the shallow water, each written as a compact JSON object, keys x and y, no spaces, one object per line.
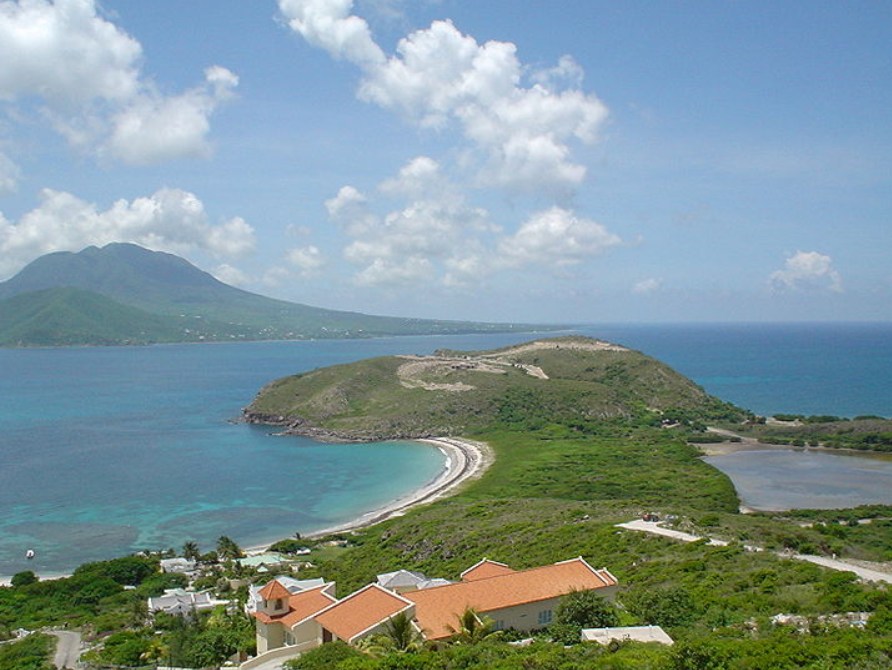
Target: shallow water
{"x":782,"y":479}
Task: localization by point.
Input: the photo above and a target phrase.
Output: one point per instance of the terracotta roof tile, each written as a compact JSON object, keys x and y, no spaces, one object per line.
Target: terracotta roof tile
{"x":485,"y":569}
{"x":274,"y":591}
{"x":300,"y":606}
{"x":438,"y":608}
{"x":306,"y":604}
{"x":360,"y":611}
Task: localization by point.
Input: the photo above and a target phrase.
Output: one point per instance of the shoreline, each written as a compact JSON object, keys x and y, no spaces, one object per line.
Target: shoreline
{"x":466,"y":460}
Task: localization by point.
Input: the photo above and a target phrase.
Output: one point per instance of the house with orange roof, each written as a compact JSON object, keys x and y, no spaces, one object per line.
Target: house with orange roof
{"x":288,"y":624}
{"x":523,"y":599}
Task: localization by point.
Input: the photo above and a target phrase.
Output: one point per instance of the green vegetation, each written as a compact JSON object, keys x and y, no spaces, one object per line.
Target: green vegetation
{"x":31,"y":653}
{"x":866,"y":433}
{"x":603,"y":439}
{"x":66,"y":316}
{"x":571,"y":383}
{"x":124,"y":294}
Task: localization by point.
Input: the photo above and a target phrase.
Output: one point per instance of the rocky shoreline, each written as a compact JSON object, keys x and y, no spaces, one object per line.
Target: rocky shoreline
{"x":290,"y":425}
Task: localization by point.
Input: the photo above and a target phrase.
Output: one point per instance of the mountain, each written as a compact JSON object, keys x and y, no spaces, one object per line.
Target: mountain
{"x":569,"y":380}
{"x":192,"y":302}
{"x":57,"y":317}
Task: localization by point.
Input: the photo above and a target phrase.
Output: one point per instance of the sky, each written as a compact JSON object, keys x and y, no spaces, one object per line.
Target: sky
{"x":571,"y":161}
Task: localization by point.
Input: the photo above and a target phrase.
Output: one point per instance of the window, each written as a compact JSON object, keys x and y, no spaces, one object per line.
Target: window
{"x":278,"y":604}
{"x":544,"y":617}
{"x":499,"y":624}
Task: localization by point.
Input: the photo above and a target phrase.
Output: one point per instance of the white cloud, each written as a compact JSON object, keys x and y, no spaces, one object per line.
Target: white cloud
{"x":328,"y":24}
{"x":555,"y":237}
{"x":154,"y":129}
{"x":435,"y":225}
{"x":64,"y":53}
{"x":83,"y":74}
{"x":806,"y":271}
{"x":307,"y":260}
{"x":647,"y":286}
{"x":169,"y":220}
{"x":231,"y":275}
{"x":440,"y":77}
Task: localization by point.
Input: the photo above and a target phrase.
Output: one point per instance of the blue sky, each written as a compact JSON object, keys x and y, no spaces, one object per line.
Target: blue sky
{"x":575,"y":161}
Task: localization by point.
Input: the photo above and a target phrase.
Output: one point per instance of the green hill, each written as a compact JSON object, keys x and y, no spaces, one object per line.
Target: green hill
{"x":451,"y":393}
{"x":67,"y":316}
{"x":165,"y":285}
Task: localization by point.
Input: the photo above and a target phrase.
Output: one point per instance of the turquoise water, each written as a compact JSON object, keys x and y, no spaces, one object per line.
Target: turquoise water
{"x":104,"y":451}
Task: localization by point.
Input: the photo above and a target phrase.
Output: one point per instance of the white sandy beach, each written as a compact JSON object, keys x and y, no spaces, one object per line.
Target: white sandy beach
{"x":465,"y":460}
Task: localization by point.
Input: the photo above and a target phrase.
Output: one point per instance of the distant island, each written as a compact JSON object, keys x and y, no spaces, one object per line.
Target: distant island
{"x":455,"y":393}
{"x":124,"y":294}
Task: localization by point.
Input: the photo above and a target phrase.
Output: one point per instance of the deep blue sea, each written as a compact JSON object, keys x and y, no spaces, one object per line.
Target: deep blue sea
{"x":104,"y":451}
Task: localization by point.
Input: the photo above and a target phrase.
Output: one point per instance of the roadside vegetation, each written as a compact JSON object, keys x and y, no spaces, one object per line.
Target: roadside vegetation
{"x":864,"y":433}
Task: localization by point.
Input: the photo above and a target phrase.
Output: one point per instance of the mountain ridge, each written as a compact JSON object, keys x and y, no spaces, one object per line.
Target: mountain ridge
{"x":165,"y":285}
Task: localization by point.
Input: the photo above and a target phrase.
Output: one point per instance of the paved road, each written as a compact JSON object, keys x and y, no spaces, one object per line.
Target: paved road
{"x":68,"y":650}
{"x":866,"y":574}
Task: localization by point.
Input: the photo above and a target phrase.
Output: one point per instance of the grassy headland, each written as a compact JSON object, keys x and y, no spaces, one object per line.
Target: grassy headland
{"x":570,"y":380}
{"x":600,"y":436}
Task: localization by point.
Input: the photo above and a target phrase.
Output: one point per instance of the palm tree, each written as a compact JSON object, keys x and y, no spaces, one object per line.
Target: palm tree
{"x":227,"y":548}
{"x":472,"y":628}
{"x":190,"y":550}
{"x":400,"y":636}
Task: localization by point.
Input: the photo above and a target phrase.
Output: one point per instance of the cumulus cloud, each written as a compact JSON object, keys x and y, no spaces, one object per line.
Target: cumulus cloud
{"x":154,"y":128}
{"x":169,"y":220}
{"x":231,"y":275}
{"x":435,"y":225}
{"x":328,"y":24}
{"x":440,"y":78}
{"x":647,"y":286}
{"x":806,"y":271}
{"x":306,"y":260}
{"x":556,"y":237}
{"x":436,"y":234}
{"x":83,"y":74}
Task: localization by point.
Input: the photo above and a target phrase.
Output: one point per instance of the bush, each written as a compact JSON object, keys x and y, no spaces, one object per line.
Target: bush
{"x":23,"y":578}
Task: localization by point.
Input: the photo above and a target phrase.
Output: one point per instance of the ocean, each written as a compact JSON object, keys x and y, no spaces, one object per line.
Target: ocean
{"x":109,"y":450}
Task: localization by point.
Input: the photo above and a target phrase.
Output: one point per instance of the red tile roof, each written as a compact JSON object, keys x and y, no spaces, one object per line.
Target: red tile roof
{"x":274,"y":591}
{"x":300,"y":606}
{"x":438,"y":608}
{"x":485,"y":569}
{"x":360,"y":611}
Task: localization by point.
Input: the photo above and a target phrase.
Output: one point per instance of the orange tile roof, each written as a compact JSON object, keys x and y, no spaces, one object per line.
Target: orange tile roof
{"x":360,"y":611}
{"x":300,"y":606}
{"x":485,"y":569}
{"x":306,"y":604}
{"x":274,"y":591}
{"x":438,"y":608}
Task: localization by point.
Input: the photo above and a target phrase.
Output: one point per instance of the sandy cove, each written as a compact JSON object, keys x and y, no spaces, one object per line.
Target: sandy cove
{"x":465,"y":460}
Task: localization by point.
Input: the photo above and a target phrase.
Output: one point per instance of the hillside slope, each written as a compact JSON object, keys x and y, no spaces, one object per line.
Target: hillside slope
{"x":166,"y":285}
{"x":66,"y":316}
{"x":451,"y":393}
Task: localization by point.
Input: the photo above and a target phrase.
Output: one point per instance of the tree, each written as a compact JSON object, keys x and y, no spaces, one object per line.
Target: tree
{"x":227,"y":548}
{"x":23,"y":578}
{"x":471,"y":628}
{"x":191,"y":551}
{"x":586,"y":609}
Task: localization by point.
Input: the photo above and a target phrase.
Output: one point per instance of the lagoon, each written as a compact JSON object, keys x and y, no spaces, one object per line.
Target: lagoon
{"x":783,"y":479}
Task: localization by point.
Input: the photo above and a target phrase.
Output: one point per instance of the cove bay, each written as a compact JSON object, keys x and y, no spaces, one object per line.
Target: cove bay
{"x":106,"y":451}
